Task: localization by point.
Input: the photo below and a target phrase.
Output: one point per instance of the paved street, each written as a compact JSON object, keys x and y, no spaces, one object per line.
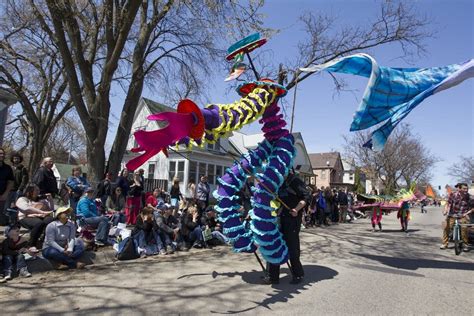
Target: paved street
{"x":349,"y":271}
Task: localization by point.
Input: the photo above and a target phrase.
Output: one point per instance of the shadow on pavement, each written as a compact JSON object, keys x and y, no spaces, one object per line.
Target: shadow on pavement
{"x":414,"y":264}
{"x":284,"y":290}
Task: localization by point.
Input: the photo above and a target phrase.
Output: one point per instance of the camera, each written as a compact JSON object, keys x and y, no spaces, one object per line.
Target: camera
{"x":42,"y":197}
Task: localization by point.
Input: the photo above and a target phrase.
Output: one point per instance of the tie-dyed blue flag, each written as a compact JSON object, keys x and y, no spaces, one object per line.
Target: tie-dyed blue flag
{"x":392,"y":93}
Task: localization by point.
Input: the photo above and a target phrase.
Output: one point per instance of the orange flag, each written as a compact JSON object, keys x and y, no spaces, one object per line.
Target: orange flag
{"x":429,"y":192}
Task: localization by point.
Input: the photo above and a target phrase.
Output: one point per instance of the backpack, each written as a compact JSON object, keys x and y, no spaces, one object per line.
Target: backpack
{"x":127,"y":250}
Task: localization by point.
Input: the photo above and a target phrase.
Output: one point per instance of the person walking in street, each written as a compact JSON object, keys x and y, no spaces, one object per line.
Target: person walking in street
{"x":44,"y":178}
{"x":404,"y":215}
{"x":7,"y":182}
{"x":376,"y":217}
{"x":343,"y":203}
{"x":460,"y":204}
{"x":202,"y":195}
{"x":294,"y":194}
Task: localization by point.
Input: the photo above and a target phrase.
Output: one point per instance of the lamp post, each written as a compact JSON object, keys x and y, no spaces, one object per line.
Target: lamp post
{"x":6,"y":99}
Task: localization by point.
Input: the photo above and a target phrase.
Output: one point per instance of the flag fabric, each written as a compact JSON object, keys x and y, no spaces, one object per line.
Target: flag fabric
{"x":392,"y":93}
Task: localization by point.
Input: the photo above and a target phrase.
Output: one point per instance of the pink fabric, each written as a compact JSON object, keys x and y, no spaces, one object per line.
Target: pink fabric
{"x":132,"y":209}
{"x":376,"y":216}
{"x":152,"y":142}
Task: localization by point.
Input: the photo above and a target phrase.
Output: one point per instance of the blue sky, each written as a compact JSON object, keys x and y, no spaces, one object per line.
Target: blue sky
{"x":444,"y":122}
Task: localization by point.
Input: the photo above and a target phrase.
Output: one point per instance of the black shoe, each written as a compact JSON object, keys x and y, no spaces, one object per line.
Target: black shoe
{"x":267,"y":280}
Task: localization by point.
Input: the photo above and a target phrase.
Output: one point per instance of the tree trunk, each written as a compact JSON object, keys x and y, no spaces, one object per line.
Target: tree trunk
{"x":123,"y":132}
{"x":36,"y":155}
{"x":95,"y":161}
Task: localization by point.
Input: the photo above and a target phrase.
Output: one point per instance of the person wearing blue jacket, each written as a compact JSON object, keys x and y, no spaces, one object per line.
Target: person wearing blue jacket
{"x":87,"y":214}
{"x":76,"y":184}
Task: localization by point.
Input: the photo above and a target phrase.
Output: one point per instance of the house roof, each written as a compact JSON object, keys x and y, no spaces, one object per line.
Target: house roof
{"x":348,"y":165}
{"x":324,"y":160}
{"x":156,"y":107}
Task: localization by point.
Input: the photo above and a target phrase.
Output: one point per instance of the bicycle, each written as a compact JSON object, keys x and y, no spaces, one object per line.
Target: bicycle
{"x":458,"y":243}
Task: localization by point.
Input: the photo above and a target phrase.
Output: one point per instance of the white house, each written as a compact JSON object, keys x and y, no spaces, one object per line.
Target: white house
{"x":349,"y":171}
{"x":187,"y":165}
{"x":302,"y":164}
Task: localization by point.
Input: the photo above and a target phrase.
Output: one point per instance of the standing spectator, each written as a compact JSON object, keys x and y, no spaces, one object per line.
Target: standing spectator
{"x":202,"y":195}
{"x":134,"y":199}
{"x":343,"y":202}
{"x":329,"y":199}
{"x":13,"y":249}
{"x":20,"y":173}
{"x":459,"y":205}
{"x":7,"y":182}
{"x":141,"y":173}
{"x":175,"y":195}
{"x":87,"y":214}
{"x":44,"y":178}
{"x":61,"y":244}
{"x":122,"y":182}
{"x":190,"y":194}
{"x":34,"y":212}
{"x":321,"y":207}
{"x":335,"y":208}
{"x":77,"y":184}
{"x":115,"y":205}
{"x":104,"y":188}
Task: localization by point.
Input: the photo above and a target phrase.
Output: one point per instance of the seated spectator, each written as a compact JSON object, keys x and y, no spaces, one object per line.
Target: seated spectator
{"x":60,"y":244}
{"x":34,"y":212}
{"x":191,"y":231}
{"x":87,"y":214}
{"x":155,"y":200}
{"x":13,"y":250}
{"x":77,"y":184}
{"x":209,"y":221}
{"x":168,"y":228}
{"x":115,"y":206}
{"x":146,"y":234}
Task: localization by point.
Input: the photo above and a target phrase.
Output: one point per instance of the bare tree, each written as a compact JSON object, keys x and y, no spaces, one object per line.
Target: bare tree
{"x":327,"y":40}
{"x":69,"y":142}
{"x":463,"y":170}
{"x":165,"y":43}
{"x":403,"y":160}
{"x":32,"y":68}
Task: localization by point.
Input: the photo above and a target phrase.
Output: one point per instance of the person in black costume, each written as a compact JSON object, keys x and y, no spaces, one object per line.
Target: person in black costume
{"x":294,"y":194}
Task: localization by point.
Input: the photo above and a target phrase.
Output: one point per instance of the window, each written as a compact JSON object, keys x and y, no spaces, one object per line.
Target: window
{"x":210,"y":174}
{"x":218,"y":172}
{"x":172,"y":171}
{"x":323,"y":174}
{"x":181,"y":170}
{"x":215,"y":146}
{"x":151,"y":171}
{"x":192,"y":175}
{"x":202,"y":170}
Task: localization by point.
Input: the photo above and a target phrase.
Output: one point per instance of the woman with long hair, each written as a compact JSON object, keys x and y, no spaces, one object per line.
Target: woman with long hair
{"x":134,"y":199}
{"x":35,"y":212}
{"x":175,"y":195}
{"x":115,"y":205}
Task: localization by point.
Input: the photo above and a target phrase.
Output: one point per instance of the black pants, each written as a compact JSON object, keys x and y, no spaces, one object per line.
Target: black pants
{"x":290,"y":228}
{"x":36,"y":225}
